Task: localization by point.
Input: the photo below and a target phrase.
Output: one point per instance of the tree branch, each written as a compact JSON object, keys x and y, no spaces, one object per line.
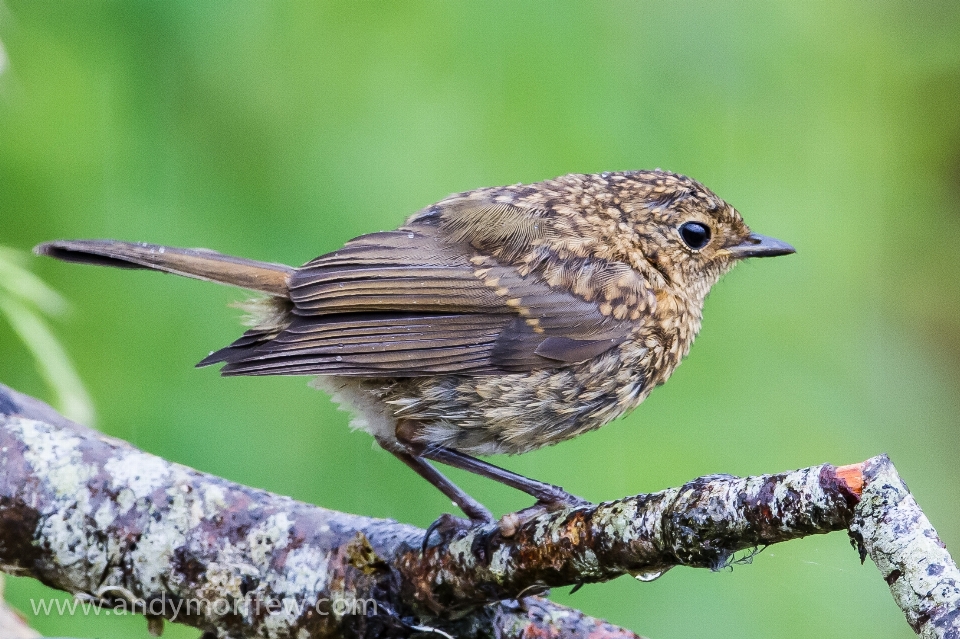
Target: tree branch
{"x":116,"y":527}
{"x":890,"y":527}
{"x":129,"y":531}
{"x":702,"y":523}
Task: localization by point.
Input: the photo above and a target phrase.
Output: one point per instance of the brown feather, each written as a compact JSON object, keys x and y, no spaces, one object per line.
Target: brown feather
{"x":495,"y":228}
{"x":201,"y":264}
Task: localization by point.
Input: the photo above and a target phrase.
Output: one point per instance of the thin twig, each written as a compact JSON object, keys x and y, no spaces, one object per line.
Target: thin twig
{"x":923,"y":578}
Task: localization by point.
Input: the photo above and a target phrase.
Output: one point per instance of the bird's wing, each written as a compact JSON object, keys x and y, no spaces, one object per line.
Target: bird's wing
{"x":421,"y":301}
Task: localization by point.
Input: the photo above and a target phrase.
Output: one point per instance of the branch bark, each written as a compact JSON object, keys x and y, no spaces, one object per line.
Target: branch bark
{"x":129,"y":531}
{"x":890,"y":527}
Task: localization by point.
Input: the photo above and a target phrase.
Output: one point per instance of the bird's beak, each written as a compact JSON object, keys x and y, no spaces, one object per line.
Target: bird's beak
{"x":760,"y":246}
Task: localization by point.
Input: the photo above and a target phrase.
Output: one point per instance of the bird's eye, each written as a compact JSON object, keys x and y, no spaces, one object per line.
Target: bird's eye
{"x":695,"y":235}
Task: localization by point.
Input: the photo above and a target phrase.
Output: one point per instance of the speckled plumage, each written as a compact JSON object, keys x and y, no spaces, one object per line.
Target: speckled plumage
{"x":609,"y":239}
{"x":497,"y":320}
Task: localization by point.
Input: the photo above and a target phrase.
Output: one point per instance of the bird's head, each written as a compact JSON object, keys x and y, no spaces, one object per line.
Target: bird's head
{"x":685,"y":236}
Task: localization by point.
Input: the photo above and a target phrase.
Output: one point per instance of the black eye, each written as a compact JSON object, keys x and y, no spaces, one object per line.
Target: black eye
{"x":695,"y":235}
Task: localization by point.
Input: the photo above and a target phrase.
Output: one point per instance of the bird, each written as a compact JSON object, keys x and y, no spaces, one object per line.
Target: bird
{"x":495,"y":321}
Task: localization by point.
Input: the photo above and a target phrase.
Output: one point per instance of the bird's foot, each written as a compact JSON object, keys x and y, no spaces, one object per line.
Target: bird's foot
{"x":558,"y":499}
{"x":449,"y":527}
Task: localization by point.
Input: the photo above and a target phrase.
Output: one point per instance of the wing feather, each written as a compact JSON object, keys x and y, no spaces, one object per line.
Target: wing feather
{"x":423,"y":300}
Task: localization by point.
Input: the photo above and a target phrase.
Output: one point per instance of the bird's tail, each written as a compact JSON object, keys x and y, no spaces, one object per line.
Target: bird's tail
{"x":201,"y":264}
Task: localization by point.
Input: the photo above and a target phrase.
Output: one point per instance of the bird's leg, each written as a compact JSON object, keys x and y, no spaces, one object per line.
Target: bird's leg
{"x":473,"y":509}
{"x":553,"y":497}
{"x":446,"y":525}
{"x":548,"y":495}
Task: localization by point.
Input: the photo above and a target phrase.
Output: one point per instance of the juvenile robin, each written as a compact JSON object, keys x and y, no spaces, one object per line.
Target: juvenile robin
{"x":498,"y":320}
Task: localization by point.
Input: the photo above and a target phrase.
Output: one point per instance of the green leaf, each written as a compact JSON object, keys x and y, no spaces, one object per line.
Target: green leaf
{"x":24,"y":299}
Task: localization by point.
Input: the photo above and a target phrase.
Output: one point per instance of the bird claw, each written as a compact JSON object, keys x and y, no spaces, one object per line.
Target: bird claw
{"x":558,"y":499}
{"x":510,"y":522}
{"x":566,"y":500}
{"x":449,"y":528}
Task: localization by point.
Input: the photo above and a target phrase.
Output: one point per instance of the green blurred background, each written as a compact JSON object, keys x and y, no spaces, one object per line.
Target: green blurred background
{"x":279,"y":130}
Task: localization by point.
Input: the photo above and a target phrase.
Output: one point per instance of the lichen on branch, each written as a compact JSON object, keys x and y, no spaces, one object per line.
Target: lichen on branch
{"x":120,"y":528}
